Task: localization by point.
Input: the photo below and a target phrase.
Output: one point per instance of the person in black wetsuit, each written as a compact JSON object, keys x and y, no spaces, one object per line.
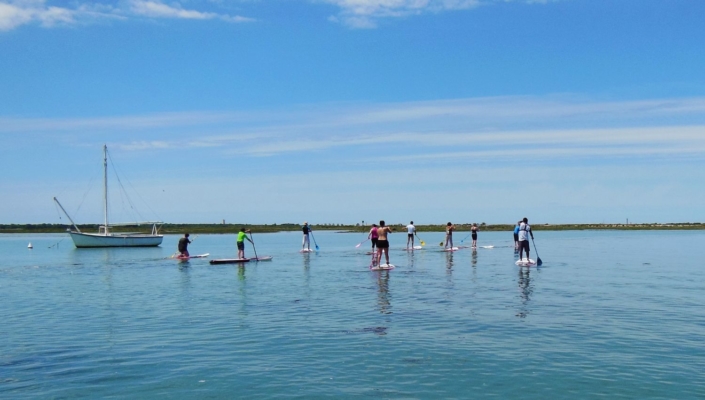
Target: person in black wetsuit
{"x":183,"y":246}
{"x":474,"y":230}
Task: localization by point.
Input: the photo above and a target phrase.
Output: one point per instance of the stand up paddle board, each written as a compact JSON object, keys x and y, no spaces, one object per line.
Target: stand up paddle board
{"x":412,"y":248}
{"x":487,"y":247}
{"x":526,"y":262}
{"x":381,"y":267}
{"x":306,"y":251}
{"x":240,"y":260}
{"x":190,"y":257}
{"x":452,"y":249}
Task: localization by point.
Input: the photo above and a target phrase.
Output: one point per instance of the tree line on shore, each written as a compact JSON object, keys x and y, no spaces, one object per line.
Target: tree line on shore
{"x":263,"y":228}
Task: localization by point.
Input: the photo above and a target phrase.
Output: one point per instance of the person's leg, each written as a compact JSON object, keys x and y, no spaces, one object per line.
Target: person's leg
{"x":379,"y":254}
{"x":386,"y":254}
{"x":521,"y":249}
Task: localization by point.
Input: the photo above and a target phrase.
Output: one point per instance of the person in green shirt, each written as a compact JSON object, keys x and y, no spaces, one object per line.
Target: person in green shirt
{"x":241,"y":236}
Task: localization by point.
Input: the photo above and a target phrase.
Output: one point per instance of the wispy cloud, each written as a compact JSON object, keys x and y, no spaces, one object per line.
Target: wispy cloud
{"x":488,"y":128}
{"x":15,"y":13}
{"x":157,"y":9}
{"x":364,"y":14}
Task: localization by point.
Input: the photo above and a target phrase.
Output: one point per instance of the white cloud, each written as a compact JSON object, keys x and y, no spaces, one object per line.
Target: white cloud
{"x":366,"y":13}
{"x":14,"y":13}
{"x":157,"y":9}
{"x":17,"y":13}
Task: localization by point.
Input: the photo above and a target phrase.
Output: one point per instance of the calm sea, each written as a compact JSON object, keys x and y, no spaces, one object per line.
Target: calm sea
{"x":610,"y":314}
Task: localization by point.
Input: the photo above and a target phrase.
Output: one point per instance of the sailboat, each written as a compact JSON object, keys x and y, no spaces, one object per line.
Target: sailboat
{"x":105,"y":237}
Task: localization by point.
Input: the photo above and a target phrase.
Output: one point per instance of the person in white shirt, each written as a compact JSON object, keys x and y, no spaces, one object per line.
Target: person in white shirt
{"x":524,"y":232}
{"x":411,"y":232}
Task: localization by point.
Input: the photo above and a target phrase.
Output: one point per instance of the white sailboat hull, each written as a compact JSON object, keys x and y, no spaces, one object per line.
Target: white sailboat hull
{"x":81,"y":240}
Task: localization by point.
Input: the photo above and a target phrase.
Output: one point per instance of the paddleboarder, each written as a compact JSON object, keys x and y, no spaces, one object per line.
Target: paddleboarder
{"x":524,"y":232}
{"x":183,"y":246}
{"x":449,"y":235}
{"x":306,"y":244}
{"x":382,"y":242}
{"x":516,"y":236}
{"x":373,"y":236}
{"x":411,"y":232}
{"x":474,"y":230}
{"x":241,"y":236}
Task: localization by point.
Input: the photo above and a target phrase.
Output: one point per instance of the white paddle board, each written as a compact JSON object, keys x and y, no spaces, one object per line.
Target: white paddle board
{"x":526,"y":262}
{"x":452,"y":249}
{"x":306,"y":251}
{"x":382,"y":267}
{"x":190,"y":257}
{"x":413,"y":248}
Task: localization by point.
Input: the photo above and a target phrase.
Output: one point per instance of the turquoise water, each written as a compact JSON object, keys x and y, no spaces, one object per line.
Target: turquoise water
{"x":609,"y":314}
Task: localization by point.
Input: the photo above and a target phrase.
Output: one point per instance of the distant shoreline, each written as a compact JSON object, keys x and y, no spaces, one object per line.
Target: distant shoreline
{"x":266,"y":228}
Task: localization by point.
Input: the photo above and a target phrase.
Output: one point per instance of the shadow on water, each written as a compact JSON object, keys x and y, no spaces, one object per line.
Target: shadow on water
{"x":473,"y":261}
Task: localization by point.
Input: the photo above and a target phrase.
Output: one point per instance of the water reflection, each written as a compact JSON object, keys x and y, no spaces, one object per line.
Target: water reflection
{"x":449,"y":262}
{"x":383,"y":296}
{"x":473,"y":261}
{"x":185,"y":276}
{"x":410,"y":257}
{"x":241,"y":274}
{"x":525,"y":291}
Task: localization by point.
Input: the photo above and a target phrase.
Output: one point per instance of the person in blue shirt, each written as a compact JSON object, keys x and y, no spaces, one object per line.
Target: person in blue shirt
{"x":516,"y":236}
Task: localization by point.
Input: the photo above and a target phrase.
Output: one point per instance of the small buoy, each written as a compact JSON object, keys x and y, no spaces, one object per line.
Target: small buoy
{"x":29,"y":246}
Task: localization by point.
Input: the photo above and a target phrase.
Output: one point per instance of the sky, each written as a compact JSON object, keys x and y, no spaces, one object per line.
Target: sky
{"x":343,"y":111}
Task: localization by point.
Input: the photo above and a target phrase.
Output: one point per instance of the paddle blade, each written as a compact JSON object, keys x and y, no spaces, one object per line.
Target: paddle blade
{"x":423,"y":243}
{"x":358,"y":245}
{"x":538,"y":261}
{"x":316,"y":247}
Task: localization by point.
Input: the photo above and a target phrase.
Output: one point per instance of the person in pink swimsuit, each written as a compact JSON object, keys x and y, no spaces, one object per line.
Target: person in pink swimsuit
{"x":373,"y":236}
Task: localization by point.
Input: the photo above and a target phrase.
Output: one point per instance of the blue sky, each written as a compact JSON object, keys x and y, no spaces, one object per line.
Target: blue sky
{"x":347,"y":110}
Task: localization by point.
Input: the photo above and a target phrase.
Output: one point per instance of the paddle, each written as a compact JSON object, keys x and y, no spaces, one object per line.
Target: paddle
{"x":420,"y":241}
{"x":314,"y":240}
{"x":253,"y":246}
{"x":538,"y":259}
{"x":360,"y":244}
{"x":466,"y":237}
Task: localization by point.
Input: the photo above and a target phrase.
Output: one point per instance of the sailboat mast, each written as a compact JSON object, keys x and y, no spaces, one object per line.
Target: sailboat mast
{"x":105,"y":186}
